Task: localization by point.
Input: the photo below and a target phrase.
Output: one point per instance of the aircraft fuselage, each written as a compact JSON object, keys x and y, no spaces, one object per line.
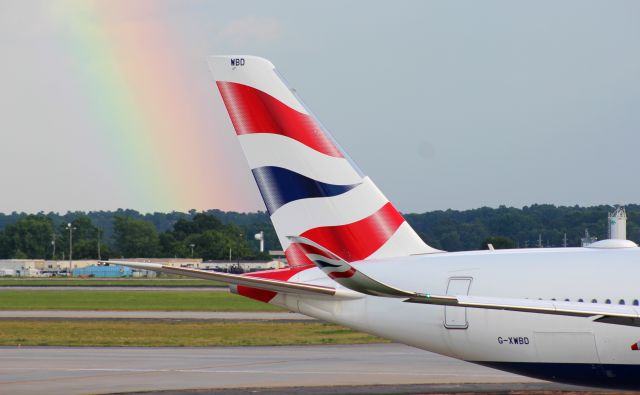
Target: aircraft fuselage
{"x":561,"y":348}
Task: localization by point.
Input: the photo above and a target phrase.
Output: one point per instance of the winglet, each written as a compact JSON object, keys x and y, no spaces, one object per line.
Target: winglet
{"x":344,"y":273}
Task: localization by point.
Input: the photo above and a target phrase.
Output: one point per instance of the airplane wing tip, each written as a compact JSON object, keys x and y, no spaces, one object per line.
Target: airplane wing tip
{"x":140,"y":265}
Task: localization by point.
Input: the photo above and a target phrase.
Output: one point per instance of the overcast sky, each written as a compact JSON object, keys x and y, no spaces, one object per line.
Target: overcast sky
{"x":444,"y":104}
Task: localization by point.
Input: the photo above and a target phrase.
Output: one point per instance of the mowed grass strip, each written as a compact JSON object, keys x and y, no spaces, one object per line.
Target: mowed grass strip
{"x":107,"y":282}
{"x":174,"y":334}
{"x":129,"y":301}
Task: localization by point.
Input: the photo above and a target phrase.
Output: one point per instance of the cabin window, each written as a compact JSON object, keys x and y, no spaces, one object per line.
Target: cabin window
{"x":594,"y":300}
{"x":580,"y":300}
{"x":635,"y":302}
{"x":608,"y":301}
{"x":621,"y":301}
{"x":566,"y":299}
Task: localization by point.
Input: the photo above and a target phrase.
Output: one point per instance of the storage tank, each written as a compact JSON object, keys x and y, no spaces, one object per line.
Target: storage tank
{"x":618,"y":224}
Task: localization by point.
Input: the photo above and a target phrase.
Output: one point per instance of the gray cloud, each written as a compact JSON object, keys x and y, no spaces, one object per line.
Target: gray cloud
{"x":250,"y":29}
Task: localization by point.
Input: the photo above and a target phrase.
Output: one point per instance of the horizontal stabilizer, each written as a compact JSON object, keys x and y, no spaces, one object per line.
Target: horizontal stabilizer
{"x":235,"y":279}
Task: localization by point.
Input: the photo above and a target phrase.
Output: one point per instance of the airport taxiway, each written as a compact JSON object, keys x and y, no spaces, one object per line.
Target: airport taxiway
{"x":114,"y":288}
{"x":54,"y":370}
{"x":154,"y":315}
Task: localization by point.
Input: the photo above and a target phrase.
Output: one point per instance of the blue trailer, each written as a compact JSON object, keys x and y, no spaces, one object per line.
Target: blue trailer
{"x":102,"y":271}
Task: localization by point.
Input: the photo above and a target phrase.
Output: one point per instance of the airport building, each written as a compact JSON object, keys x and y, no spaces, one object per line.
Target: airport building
{"x":20,"y":267}
{"x":217,"y":265}
{"x":92,"y":268}
{"x":39,"y":267}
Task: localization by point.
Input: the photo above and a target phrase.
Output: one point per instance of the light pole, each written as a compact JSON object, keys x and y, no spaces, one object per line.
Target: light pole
{"x":99,"y":257}
{"x":53,"y":244}
{"x":192,"y":245}
{"x":71,"y":229}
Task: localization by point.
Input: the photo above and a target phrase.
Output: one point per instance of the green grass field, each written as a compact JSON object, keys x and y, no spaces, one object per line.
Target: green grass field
{"x":106,"y":282}
{"x":173,"y":334}
{"x":129,"y":300}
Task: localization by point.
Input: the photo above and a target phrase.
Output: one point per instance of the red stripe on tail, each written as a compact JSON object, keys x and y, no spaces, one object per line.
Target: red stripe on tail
{"x":254,"y":111}
{"x":261,"y":294}
{"x":351,"y":242}
{"x":296,"y":256}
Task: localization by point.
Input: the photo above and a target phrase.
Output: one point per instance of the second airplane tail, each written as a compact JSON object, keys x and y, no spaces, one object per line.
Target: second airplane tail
{"x":309,"y":185}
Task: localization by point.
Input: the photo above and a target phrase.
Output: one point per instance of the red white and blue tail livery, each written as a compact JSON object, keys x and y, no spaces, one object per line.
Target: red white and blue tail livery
{"x":309,"y":185}
{"x":563,"y":314}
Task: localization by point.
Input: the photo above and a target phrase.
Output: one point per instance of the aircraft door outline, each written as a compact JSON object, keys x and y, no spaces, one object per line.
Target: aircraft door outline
{"x":456,"y":317}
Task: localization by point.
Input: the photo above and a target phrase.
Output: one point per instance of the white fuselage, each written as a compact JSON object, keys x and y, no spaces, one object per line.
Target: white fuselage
{"x":494,"y":336}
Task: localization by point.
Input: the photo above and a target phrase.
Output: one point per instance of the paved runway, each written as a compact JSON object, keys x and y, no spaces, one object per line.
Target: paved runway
{"x":107,"y":370}
{"x":154,"y":315}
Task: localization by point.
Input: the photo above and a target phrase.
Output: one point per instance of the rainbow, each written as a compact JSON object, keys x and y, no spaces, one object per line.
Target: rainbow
{"x":154,"y":127}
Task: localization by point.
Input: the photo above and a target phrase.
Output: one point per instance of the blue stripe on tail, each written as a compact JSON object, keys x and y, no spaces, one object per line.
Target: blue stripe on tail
{"x":280,"y":186}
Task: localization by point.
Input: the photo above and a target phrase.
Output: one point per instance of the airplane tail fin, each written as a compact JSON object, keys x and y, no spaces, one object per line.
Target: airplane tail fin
{"x":310,"y":187}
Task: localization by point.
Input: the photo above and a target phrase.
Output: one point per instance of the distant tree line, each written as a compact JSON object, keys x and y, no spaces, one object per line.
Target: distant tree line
{"x":453,"y":230}
{"x":127,"y":234}
{"x":214,"y":234}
